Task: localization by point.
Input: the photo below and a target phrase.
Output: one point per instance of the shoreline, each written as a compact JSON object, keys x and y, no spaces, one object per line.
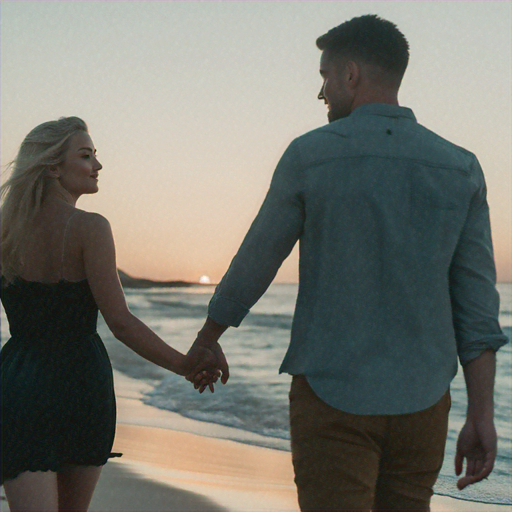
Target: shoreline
{"x":172,"y":463}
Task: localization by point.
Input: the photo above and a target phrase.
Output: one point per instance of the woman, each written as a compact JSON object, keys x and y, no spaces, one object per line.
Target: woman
{"x":58,"y":267}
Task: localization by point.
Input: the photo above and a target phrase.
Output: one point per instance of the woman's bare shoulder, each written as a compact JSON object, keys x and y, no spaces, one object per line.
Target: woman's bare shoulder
{"x":91,"y":219}
{"x":92,"y":225}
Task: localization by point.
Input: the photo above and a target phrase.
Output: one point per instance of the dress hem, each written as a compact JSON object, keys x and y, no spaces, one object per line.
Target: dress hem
{"x":59,"y":467}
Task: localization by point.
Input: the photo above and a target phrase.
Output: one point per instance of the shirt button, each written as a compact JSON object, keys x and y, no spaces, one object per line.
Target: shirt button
{"x":389,"y":132}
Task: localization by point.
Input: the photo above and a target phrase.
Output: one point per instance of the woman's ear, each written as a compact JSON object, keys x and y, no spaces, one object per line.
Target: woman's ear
{"x":52,"y":172}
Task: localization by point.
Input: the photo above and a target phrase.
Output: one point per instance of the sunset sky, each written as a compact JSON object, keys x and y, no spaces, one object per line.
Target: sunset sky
{"x":191,"y":103}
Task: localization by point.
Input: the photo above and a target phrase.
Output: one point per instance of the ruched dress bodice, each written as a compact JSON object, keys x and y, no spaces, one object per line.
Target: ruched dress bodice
{"x":38,"y":311}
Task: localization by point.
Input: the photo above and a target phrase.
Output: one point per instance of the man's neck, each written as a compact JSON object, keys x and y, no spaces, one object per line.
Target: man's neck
{"x":384,"y":97}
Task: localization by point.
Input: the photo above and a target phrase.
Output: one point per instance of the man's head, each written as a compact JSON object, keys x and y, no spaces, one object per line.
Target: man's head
{"x":363,"y":61}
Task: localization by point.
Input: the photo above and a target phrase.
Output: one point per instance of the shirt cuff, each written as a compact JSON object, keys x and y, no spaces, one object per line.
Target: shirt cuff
{"x":227,"y":311}
{"x":471,"y":350}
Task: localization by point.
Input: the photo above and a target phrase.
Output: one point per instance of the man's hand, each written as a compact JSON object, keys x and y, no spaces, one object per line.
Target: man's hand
{"x":477,"y":444}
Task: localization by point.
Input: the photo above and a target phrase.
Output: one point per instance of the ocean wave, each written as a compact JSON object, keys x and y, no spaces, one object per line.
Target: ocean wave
{"x":180,"y":309}
{"x":235,"y":405}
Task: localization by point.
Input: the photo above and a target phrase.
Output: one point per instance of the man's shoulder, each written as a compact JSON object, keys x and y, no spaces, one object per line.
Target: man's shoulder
{"x":319,"y":140}
{"x":445,"y":143}
{"x":339,"y":128}
{"x":450,"y":155}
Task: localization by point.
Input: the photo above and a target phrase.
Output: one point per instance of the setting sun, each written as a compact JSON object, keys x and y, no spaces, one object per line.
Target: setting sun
{"x":204,"y":280}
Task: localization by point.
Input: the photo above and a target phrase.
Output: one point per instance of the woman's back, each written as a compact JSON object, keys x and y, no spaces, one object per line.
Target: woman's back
{"x":51,"y":296}
{"x":51,"y":252}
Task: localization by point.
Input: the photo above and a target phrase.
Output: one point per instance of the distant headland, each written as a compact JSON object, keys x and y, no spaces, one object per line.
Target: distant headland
{"x":135,"y":282}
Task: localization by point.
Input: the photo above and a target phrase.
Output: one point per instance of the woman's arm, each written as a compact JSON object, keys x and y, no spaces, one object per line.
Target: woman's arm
{"x":101,"y":271}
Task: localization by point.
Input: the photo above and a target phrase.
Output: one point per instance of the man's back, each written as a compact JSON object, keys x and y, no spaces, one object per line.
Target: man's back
{"x":384,"y":210}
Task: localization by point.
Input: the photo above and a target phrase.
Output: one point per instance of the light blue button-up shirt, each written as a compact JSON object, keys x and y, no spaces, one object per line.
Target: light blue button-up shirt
{"x":396,"y":271}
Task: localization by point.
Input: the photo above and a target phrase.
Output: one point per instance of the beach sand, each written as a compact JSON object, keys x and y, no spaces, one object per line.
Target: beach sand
{"x":171,"y":463}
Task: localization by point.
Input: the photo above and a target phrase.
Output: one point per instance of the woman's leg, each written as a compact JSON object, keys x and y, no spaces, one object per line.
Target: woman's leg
{"x":33,"y":492}
{"x":76,"y":486}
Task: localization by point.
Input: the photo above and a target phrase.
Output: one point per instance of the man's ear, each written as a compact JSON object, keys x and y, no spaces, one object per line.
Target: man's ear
{"x":353,"y":73}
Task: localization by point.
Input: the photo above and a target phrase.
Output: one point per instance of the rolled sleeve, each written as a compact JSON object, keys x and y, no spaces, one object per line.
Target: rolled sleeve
{"x":475,"y":300}
{"x":226,"y":311}
{"x":269,"y":241}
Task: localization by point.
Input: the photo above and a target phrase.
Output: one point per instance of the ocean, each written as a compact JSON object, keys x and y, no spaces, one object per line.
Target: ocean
{"x":256,"y":396}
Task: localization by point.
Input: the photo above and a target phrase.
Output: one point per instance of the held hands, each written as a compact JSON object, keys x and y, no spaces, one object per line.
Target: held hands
{"x":202,"y":368}
{"x":211,"y":364}
{"x":477,"y":444}
{"x":208,"y":356}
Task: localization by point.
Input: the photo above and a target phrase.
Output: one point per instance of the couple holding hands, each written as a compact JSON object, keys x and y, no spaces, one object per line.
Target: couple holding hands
{"x":396,"y":282}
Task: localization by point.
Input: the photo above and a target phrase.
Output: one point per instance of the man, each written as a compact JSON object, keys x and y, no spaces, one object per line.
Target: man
{"x":397,"y":279}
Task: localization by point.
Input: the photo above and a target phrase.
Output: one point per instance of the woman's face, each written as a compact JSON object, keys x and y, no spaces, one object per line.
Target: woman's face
{"x":78,"y":174}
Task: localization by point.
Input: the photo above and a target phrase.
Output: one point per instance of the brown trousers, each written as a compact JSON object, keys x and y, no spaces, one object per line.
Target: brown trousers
{"x":348,"y":462}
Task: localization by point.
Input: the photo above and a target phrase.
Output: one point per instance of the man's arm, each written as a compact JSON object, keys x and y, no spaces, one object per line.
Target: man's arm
{"x":475,"y":307}
{"x":472,"y":278}
{"x":269,"y":241}
{"x":477,"y":441}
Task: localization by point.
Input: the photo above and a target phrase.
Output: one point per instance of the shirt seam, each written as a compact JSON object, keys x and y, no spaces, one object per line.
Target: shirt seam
{"x":417,"y":160}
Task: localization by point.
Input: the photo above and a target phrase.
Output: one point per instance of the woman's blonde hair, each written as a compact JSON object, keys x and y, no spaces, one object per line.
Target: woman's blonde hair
{"x":22,"y":194}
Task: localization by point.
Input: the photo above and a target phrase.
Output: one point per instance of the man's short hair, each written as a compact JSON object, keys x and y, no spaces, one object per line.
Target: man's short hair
{"x":370,"y":39}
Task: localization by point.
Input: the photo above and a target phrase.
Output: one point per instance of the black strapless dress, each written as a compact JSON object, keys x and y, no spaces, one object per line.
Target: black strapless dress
{"x":57,"y":396}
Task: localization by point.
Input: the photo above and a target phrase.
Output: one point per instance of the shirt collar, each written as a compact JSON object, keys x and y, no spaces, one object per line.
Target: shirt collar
{"x":384,"y":110}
